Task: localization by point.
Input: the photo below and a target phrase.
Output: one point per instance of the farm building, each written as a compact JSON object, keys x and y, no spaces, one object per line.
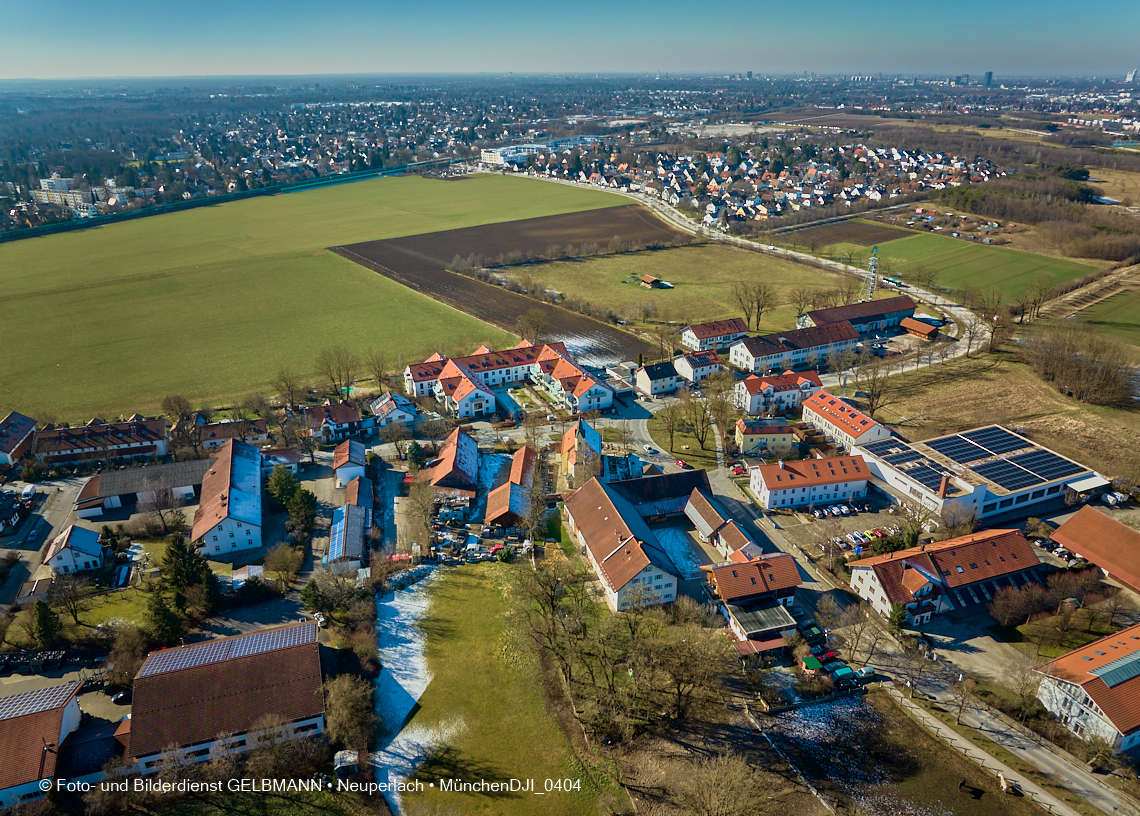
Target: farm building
{"x":840,"y":422}
{"x":346,"y":538}
{"x":918,"y":328}
{"x":102,"y":441}
{"x":33,"y":727}
{"x":810,"y":482}
{"x":754,"y":597}
{"x":211,"y":697}
{"x":650,"y":282}
{"x":715,"y":335}
{"x":228,"y":517}
{"x":126,"y":488}
{"x":359,"y":493}
{"x":456,"y":471}
{"x":868,"y":316}
{"x":509,"y":504}
{"x":775,"y":393}
{"x":1112,"y":546}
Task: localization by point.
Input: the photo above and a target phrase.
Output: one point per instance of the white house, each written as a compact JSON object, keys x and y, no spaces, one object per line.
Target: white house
{"x":390,"y":408}
{"x":715,"y":335}
{"x":348,"y":461}
{"x":659,"y":378}
{"x":696,"y":365}
{"x":809,"y":482}
{"x":1095,"y":690}
{"x":76,"y":549}
{"x":228,"y":517}
{"x":271,"y":458}
{"x":775,"y":393}
{"x":840,"y":422}
{"x":796,"y":348}
{"x":33,"y":727}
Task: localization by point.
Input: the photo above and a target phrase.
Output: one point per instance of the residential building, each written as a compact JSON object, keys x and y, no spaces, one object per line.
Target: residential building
{"x":582,"y":458}
{"x":271,"y":458}
{"x":333,"y":421}
{"x":215,"y":697}
{"x":348,"y":461}
{"x":659,"y":378}
{"x":76,"y":549}
{"x":985,"y":473}
{"x":868,"y":316}
{"x":228,"y":517}
{"x":764,"y":437}
{"x":508,"y":505}
{"x":809,"y":482}
{"x":33,"y":727}
{"x":63,"y":198}
{"x":696,"y":365}
{"x":213,"y":434}
{"x":957,"y":573}
{"x":775,"y":393}
{"x":840,"y":422}
{"x":1094,"y":690}
{"x":633,"y":568}
{"x":456,"y":471}
{"x":112,"y":489}
{"x":715,"y":335}
{"x":390,"y":408}
{"x":919,"y":328}
{"x":715,"y":527}
{"x":796,"y":348}
{"x":101,"y":441}
{"x":569,"y":385}
{"x":346,"y":538}
{"x":15,"y":437}
{"x":754,"y":598}
{"x":1106,"y":542}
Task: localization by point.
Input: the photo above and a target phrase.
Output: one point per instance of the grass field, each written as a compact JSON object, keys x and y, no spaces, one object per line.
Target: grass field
{"x":702,"y":278}
{"x":965,"y":264}
{"x":489,"y":694}
{"x":1118,"y":316}
{"x":212,"y":302}
{"x":1119,"y":184}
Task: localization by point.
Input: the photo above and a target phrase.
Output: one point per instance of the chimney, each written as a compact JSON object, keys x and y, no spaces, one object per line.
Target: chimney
{"x":781,"y":464}
{"x":943,"y":486}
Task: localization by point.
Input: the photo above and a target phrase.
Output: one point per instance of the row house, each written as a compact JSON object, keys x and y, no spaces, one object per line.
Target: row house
{"x":99,"y":440}
{"x":791,"y":485}
{"x":840,"y":422}
{"x":775,"y":393}
{"x":714,"y":335}
{"x":797,"y":348}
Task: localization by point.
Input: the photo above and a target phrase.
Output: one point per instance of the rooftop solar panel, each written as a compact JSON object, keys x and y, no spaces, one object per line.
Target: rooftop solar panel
{"x":885,"y":447}
{"x":1011,"y":477}
{"x":958,"y":449}
{"x":995,"y":439}
{"x":33,"y":702}
{"x":214,"y":651}
{"x":1120,"y":670}
{"x":1047,"y":464}
{"x":900,"y":458}
{"x":928,"y":477}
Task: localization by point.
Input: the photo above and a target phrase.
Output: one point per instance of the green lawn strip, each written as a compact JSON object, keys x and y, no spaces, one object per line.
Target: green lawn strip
{"x":1043,"y":780}
{"x":1118,"y":316}
{"x":694,"y":456}
{"x":1016,"y":636}
{"x":485,"y":692}
{"x":962,"y":263}
{"x":213,"y":302}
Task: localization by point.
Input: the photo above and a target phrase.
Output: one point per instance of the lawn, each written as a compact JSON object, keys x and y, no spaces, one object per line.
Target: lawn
{"x":485,"y":687}
{"x":961,"y":264}
{"x":702,"y":276}
{"x":212,"y":302}
{"x":1118,"y":316}
{"x":1119,"y":184}
{"x":1019,"y":636}
{"x":693,"y":456}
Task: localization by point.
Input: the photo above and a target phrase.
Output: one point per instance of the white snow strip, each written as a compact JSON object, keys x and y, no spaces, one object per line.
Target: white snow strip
{"x":681,"y":550}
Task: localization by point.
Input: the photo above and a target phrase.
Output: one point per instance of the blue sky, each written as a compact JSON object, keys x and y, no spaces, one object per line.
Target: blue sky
{"x":99,"y":38}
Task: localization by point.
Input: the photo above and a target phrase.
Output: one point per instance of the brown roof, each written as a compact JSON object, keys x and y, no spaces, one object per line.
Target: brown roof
{"x":788,"y":381}
{"x":14,"y":429}
{"x":1112,"y":546}
{"x":217,"y":501}
{"x":866,"y":310}
{"x":918,"y":327}
{"x":190,"y":705}
{"x":510,"y":501}
{"x":719,"y":328}
{"x":337,"y":413}
{"x":840,"y":414}
{"x":814,"y":472}
{"x":97,"y":435}
{"x":359,"y":492}
{"x":1089,"y":667}
{"x":811,"y":337}
{"x":761,"y":576}
{"x":24,"y":735}
{"x":734,"y":537}
{"x":458,"y":463}
{"x":233,"y":429}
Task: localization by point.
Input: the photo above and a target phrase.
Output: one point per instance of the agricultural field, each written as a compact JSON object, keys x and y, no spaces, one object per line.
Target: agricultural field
{"x":1117,"y":315}
{"x":212,"y":302}
{"x":961,"y":264}
{"x":702,"y":276}
{"x":852,"y":231}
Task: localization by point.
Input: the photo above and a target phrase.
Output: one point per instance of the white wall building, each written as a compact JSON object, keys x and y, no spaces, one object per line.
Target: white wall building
{"x":33,"y":726}
{"x":797,"y":348}
{"x":76,"y":549}
{"x":775,"y":393}
{"x":841,"y":423}
{"x":715,"y":335}
{"x":809,"y":482}
{"x":696,"y":365}
{"x":659,"y":378}
{"x":228,"y":517}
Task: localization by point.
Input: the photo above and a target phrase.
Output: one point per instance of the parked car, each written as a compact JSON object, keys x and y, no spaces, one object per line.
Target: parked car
{"x":33,"y":535}
{"x":844,"y":509}
{"x":872,"y":534}
{"x":1060,"y":552}
{"x":851,"y":537}
{"x":817,"y":514}
{"x":853,"y":508}
{"x":681,"y":463}
{"x":650,"y":450}
{"x":866,"y":673}
{"x":122,"y":698}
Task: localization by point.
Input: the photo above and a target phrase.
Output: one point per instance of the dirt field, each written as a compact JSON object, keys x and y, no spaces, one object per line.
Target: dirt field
{"x":419,"y":262}
{"x":851,"y":232}
{"x":879,"y":762}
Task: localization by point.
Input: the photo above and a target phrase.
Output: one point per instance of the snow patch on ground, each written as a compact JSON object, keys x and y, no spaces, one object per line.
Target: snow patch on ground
{"x":402,"y":681}
{"x":491,"y":475}
{"x":680,"y":548}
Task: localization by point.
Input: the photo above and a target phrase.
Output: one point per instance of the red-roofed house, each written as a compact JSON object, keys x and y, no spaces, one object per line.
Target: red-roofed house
{"x":509,"y":504}
{"x":795,"y":348}
{"x":754,"y":596}
{"x":840,"y":422}
{"x":808,"y":482}
{"x":715,"y":335}
{"x":946,"y":575}
{"x":696,"y":365}
{"x":1095,"y":690}
{"x":99,"y":440}
{"x":33,"y":726}
{"x":333,"y":421}
{"x":15,"y":437}
{"x":457,"y":469}
{"x":348,"y":461}
{"x":776,"y":393}
{"x":1112,"y":546}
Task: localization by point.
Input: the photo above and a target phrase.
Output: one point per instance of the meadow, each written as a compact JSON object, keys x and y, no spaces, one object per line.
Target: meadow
{"x":212,"y":302}
{"x":961,"y":264}
{"x":1118,"y":316}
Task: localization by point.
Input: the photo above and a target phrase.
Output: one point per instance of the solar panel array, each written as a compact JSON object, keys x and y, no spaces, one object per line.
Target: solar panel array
{"x":958,"y":449}
{"x":902,"y":458}
{"x":33,"y":702}
{"x":885,"y":447}
{"x":1006,"y":475}
{"x":995,"y":439}
{"x":1046,"y":464}
{"x":214,"y":651}
{"x":926,"y":476}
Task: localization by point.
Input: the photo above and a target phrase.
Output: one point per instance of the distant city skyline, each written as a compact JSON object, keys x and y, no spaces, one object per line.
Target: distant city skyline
{"x":54,"y":39}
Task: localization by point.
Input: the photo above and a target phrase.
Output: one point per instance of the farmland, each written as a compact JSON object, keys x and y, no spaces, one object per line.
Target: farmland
{"x":1118,"y":316}
{"x":962,"y":264}
{"x":702,"y":276}
{"x":851,"y":231}
{"x":212,"y":302}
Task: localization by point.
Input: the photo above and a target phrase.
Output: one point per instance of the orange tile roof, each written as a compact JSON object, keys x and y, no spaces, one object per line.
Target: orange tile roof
{"x":814,"y":472}
{"x":1089,"y":667}
{"x":760,"y":576}
{"x":840,"y":414}
{"x":788,"y":381}
{"x":1112,"y":546}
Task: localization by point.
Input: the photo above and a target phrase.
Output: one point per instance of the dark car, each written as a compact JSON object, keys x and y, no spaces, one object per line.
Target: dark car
{"x":122,"y":698}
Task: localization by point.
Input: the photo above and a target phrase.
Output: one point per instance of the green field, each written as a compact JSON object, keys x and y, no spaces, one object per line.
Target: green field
{"x":702,"y":276}
{"x":1118,"y":316}
{"x":212,"y":302}
{"x":486,"y":693}
{"x":962,"y":264}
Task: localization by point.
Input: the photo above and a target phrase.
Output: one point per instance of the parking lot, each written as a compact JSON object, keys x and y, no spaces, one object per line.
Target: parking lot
{"x":806,"y":531}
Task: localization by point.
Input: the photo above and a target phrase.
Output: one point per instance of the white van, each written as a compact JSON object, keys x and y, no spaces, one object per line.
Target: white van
{"x":28,"y":493}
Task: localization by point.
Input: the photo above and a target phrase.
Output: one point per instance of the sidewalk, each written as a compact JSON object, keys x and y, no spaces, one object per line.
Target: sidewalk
{"x":973,"y":752}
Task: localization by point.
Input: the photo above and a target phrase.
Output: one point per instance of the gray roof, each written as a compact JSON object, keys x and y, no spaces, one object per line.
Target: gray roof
{"x":143,"y":479}
{"x":763,"y":617}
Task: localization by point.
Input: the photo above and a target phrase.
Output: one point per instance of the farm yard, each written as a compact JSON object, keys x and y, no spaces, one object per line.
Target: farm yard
{"x":212,"y":302}
{"x":702,"y":277}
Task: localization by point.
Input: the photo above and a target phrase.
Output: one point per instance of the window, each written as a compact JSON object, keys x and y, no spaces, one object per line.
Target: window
{"x":231,"y":533}
{"x":1022,"y":499}
{"x":960,"y":570}
{"x":668,"y":585}
{"x":1053,"y":489}
{"x":215,"y":538}
{"x":989,"y":508}
{"x":1005,"y":502}
{"x":303,"y":728}
{"x":1038,"y":494}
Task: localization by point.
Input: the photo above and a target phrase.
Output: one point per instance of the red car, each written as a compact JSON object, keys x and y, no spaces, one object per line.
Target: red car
{"x":680,"y":463}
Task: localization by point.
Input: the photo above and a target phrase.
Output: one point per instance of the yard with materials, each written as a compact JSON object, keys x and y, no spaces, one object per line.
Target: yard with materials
{"x":212,"y":302}
{"x":485,"y":696}
{"x":961,"y":264}
{"x":702,"y":276}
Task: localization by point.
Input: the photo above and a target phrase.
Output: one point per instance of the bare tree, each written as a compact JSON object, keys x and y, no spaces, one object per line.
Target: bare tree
{"x":801,"y":297}
{"x":71,"y":593}
{"x":849,"y":289}
{"x":339,"y":366}
{"x":377,"y":362}
{"x":672,"y":419}
{"x":855,"y":622}
{"x":288,"y":383}
{"x":664,"y":334}
{"x":1021,"y":676}
{"x":723,"y":785}
{"x":696,"y":416}
{"x":961,"y":698}
{"x":533,"y":326}
{"x":872,"y":378}
{"x":763,"y":300}
{"x":163,"y":505}
{"x":989,"y":304}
